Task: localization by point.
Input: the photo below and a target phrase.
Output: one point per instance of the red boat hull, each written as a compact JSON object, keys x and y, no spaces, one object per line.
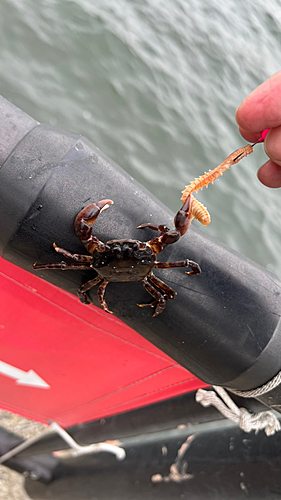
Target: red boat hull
{"x":90,"y":364}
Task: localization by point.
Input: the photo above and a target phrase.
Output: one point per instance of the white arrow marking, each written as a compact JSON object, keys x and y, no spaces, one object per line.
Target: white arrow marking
{"x":23,"y":378}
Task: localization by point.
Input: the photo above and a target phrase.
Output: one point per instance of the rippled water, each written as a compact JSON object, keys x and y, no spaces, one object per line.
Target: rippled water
{"x":155,"y":85}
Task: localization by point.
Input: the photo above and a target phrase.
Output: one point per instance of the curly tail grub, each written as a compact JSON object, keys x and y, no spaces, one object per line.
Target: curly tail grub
{"x":212,"y":175}
{"x":199,"y":212}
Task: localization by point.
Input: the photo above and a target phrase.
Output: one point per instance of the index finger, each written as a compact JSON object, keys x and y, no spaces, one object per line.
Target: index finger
{"x":262,"y":108}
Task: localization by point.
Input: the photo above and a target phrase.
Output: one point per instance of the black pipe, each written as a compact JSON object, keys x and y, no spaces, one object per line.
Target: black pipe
{"x":224,"y":325}
{"x":213,"y":465}
{"x":40,"y":467}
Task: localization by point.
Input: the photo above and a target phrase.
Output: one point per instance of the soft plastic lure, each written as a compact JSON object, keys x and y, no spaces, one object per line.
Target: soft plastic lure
{"x":198,"y":211}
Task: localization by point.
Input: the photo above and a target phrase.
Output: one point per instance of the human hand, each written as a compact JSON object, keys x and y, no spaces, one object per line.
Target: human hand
{"x":262,"y":110}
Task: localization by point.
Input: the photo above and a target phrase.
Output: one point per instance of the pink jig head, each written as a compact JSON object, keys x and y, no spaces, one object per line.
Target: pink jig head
{"x":264,"y":134}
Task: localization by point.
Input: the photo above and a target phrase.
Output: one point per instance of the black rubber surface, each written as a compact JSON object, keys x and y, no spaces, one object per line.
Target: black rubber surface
{"x":224,"y":325}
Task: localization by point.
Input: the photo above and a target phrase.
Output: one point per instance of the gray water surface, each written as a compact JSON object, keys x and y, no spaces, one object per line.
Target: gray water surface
{"x":155,"y":84}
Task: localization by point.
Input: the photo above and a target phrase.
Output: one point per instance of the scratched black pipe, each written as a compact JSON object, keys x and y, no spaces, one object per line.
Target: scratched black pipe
{"x":224,"y":325}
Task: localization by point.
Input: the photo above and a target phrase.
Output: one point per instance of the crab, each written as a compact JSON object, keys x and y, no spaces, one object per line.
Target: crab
{"x":125,"y":260}
{"x":134,"y":260}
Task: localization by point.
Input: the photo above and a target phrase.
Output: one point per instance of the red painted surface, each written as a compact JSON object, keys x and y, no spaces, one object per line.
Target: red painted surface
{"x":94,"y":364}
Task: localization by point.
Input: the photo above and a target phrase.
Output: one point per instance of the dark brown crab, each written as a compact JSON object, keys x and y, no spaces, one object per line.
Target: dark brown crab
{"x":125,"y":260}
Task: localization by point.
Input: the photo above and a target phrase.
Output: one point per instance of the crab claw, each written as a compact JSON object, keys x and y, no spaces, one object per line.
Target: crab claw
{"x":84,"y":221}
{"x":184,"y":216}
{"x":91,"y":212}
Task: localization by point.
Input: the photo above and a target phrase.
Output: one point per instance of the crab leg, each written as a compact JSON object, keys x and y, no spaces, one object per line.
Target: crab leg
{"x":195,"y":268}
{"x":160,"y":301}
{"x":81,"y":292}
{"x":74,"y":256}
{"x":161,"y":228}
{"x":101,"y":292}
{"x":170,"y":294}
{"x":63,"y":266}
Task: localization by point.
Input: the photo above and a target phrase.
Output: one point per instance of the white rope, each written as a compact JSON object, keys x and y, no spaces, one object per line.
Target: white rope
{"x":259,"y":391}
{"x":247,"y":421}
